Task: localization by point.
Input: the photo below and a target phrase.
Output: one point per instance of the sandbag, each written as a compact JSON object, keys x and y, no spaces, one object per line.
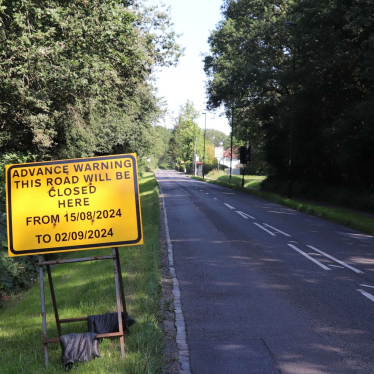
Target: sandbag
{"x":78,"y":348}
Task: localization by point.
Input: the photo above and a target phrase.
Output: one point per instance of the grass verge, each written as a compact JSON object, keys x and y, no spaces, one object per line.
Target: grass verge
{"x":88,"y":288}
{"x":250,"y":181}
{"x":353,"y":220}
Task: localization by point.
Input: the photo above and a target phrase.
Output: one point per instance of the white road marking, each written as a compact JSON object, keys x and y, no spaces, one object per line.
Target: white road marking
{"x":337,"y":266}
{"x":215,"y":198}
{"x":336,"y":260}
{"x":206,"y":193}
{"x":244,"y":215}
{"x":309,"y":257}
{"x":229,"y":206}
{"x":366,"y":294}
{"x":262,"y":227}
{"x":276,"y":229}
{"x":366,"y":285}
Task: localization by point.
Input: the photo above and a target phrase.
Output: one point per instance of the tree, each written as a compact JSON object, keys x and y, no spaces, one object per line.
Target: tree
{"x":76,"y":81}
{"x":249,"y":71}
{"x":209,"y":154}
{"x":245,"y":66}
{"x":75,"y":76}
{"x":217,"y":138}
{"x":186,"y":136}
{"x":159,"y":155}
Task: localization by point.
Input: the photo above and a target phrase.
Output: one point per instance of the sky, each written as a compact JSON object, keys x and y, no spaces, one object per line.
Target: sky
{"x":195,"y":19}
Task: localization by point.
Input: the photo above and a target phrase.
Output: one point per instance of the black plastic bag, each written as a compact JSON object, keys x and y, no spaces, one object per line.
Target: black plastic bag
{"x":107,"y":323}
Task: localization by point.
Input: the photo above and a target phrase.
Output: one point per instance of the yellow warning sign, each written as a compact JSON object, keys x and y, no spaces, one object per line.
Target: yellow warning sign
{"x":69,"y":205}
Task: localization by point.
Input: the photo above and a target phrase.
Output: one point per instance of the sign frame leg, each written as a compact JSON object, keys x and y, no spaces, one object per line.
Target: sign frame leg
{"x":117,"y":276}
{"x":52,"y":289}
{"x":121,"y":289}
{"x":44,"y":317}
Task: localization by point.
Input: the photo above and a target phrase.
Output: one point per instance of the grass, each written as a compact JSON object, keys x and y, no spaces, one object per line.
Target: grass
{"x":88,"y":288}
{"x":342,"y":216}
{"x":250,"y":181}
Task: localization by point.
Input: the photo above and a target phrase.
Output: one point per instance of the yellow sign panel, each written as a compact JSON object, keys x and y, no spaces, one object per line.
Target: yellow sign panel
{"x":68,"y":205}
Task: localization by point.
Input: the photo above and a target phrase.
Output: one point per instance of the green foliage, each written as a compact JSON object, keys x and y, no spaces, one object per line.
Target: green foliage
{"x":159,"y":154}
{"x":217,"y":138}
{"x":7,"y":159}
{"x":359,"y":198}
{"x":258,"y":165}
{"x":76,"y":81}
{"x":75,"y":76}
{"x":16,"y":272}
{"x":250,"y":72}
{"x":186,"y":136}
{"x":250,"y":181}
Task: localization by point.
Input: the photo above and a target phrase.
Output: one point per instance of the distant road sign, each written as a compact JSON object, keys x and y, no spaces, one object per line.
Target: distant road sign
{"x":218,"y":152}
{"x":68,"y":205}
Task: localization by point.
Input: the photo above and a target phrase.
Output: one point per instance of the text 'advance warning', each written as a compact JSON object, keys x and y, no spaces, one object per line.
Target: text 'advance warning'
{"x":73,"y":204}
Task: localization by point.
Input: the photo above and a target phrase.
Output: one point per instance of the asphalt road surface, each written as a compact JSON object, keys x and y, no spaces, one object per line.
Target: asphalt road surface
{"x":266,"y":289}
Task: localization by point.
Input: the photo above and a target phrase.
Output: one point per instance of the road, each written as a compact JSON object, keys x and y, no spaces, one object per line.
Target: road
{"x":266,"y":289}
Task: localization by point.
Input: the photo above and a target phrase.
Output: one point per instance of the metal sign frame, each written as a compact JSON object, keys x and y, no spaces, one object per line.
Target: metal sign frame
{"x":120,"y":298}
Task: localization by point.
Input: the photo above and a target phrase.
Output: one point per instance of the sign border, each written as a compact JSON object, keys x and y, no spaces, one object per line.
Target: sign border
{"x":70,"y":248}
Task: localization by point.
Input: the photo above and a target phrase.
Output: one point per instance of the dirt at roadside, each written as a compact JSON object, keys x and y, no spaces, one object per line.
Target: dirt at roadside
{"x":171,"y":364}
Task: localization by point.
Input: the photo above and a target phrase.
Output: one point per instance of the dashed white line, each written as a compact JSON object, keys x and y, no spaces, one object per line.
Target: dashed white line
{"x":276,"y":229}
{"x":309,"y":257}
{"x":244,"y":215}
{"x":366,"y":285}
{"x":366,"y":294}
{"x":336,"y":260}
{"x":229,"y":206}
{"x":263,"y":228}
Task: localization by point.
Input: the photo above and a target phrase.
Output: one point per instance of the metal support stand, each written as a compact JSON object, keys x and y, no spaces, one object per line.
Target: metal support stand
{"x":120,"y":298}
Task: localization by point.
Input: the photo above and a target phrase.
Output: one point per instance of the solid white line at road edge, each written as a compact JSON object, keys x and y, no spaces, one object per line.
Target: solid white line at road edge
{"x":229,"y":206}
{"x":366,"y":294}
{"x":262,"y":227}
{"x":336,"y":260}
{"x":309,"y":257}
{"x":179,"y":317}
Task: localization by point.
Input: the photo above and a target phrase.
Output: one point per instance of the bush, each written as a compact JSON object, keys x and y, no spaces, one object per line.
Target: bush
{"x":210,"y":167}
{"x":7,"y":159}
{"x":361,"y":199}
{"x":258,"y":165}
{"x":216,"y":172}
{"x":164,"y":166}
{"x":15,"y":272}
